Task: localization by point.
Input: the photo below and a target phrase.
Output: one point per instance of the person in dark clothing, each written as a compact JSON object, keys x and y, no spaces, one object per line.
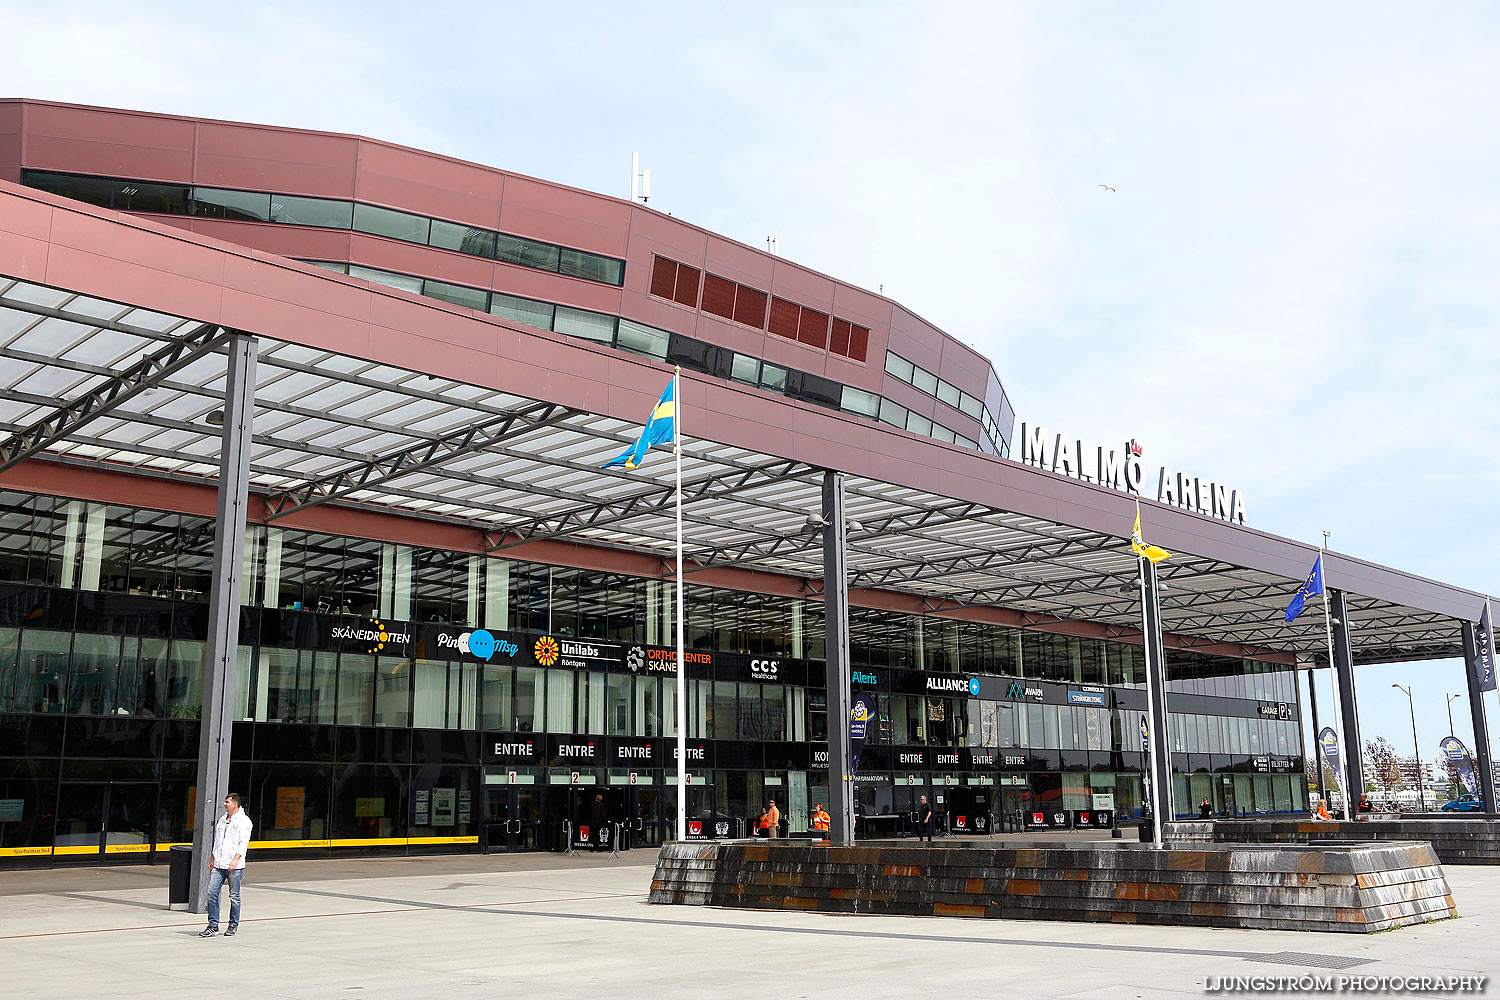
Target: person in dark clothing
{"x":924,"y":820}
{"x":1205,"y":808}
{"x":597,"y":823}
{"x":1364,"y":804}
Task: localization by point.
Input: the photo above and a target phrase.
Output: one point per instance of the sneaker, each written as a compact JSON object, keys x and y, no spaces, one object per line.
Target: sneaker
{"x":230,"y":931}
{"x":208,"y":931}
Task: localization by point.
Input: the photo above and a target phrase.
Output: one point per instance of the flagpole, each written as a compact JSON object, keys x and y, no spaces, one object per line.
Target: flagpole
{"x":1338,"y":714}
{"x":1157,"y":796}
{"x":1152,"y":790}
{"x":682,"y":761}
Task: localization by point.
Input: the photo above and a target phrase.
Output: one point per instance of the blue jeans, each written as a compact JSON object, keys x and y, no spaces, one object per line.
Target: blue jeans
{"x":217,"y":880}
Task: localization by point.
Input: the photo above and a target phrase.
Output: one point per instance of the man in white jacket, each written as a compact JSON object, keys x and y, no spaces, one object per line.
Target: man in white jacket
{"x":227,"y":864}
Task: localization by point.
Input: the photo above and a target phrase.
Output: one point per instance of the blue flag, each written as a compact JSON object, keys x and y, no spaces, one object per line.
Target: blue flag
{"x":1311,"y":588}
{"x":661,"y":428}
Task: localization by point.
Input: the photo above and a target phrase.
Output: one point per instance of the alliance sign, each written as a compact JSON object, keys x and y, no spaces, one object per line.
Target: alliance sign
{"x":1123,"y":470}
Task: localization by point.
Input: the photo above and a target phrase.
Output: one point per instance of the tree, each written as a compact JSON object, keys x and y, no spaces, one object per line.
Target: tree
{"x":1384,"y":763}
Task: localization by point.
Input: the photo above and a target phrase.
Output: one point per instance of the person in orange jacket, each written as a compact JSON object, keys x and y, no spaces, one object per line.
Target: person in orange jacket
{"x":821,"y":821}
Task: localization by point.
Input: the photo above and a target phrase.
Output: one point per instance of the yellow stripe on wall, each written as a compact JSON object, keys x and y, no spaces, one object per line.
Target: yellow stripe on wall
{"x":24,"y":852}
{"x":261,"y":845}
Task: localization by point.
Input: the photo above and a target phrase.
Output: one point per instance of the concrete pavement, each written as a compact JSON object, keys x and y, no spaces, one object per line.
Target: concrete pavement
{"x":547,"y":926}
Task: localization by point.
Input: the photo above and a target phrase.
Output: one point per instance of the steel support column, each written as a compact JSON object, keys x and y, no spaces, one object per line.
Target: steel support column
{"x":1472,"y":647}
{"x":221,"y":657}
{"x":1159,"y":760}
{"x":1312,"y":700}
{"x":836,"y":642}
{"x":1343,"y":672}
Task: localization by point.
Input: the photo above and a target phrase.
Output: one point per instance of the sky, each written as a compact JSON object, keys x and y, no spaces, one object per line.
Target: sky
{"x":1292,"y":287}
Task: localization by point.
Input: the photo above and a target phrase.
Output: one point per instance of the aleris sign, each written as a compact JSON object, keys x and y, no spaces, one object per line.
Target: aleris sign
{"x":1124,"y":470}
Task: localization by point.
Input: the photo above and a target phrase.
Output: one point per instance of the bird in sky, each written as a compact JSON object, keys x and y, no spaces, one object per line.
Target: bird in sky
{"x":1106,"y":187}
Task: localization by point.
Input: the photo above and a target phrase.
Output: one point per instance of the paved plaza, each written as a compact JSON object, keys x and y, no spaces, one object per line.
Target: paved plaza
{"x":549,"y":926}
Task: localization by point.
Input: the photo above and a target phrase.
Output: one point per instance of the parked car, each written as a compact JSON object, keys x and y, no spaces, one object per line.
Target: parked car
{"x":1464,"y":803}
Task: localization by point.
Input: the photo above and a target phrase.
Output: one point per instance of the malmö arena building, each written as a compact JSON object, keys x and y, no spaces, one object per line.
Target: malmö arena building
{"x":383,"y":381}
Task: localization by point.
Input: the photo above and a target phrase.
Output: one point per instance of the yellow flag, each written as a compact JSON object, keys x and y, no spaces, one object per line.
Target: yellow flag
{"x":1140,"y":548}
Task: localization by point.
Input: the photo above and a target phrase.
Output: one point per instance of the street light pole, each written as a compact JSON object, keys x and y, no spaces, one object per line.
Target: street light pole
{"x":1451,"y":699}
{"x":1416,"y":753}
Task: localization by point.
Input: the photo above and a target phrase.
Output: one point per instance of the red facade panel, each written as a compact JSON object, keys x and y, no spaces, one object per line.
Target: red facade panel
{"x":859,"y":342}
{"x":838,"y":341}
{"x":10,"y":141}
{"x":718,"y":296}
{"x":109,"y":143}
{"x":561,"y":215}
{"x":275,"y":160}
{"x":663,"y":277}
{"x":785,"y":316}
{"x":428,"y":185}
{"x":687,"y":285}
{"x":750,"y":306}
{"x":812,"y":329}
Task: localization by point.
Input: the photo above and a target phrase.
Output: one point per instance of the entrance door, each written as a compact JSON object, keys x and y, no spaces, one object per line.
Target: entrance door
{"x":969,"y":810}
{"x":513,"y":818}
{"x":646,"y":826}
{"x":576,"y":806}
{"x":104,"y":818}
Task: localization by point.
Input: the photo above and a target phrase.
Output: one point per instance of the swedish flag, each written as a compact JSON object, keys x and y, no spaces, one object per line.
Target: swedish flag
{"x":1312,"y":587}
{"x":661,"y":428}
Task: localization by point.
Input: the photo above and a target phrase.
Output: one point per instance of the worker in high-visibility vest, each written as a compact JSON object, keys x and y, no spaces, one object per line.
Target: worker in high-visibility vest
{"x":820,"y":819}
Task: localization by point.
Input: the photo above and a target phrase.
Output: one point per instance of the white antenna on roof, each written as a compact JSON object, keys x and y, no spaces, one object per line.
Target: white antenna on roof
{"x":640,"y":180}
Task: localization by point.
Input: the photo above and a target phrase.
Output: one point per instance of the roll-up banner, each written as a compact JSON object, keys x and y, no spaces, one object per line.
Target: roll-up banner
{"x":1458,"y":755}
{"x":861,"y":717}
{"x":1328,"y":742}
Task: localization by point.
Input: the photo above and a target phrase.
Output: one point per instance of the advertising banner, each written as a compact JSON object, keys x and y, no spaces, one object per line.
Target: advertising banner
{"x":1458,"y":755}
{"x":1328,"y":743}
{"x":1484,"y":649}
{"x":1095,"y":819}
{"x":1049,"y":818}
{"x":289,"y":802}
{"x":861,"y":717}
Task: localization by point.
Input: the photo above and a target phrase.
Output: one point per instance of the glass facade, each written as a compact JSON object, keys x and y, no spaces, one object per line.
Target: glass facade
{"x":364,"y":717}
{"x":327,"y":213}
{"x":919,"y":378}
{"x":620,"y":333}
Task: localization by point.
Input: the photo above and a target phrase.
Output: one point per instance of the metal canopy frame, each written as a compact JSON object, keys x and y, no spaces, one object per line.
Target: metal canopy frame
{"x":335,"y":429}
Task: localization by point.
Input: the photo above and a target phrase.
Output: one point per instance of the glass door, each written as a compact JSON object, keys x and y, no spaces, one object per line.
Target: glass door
{"x":80,"y":820}
{"x":128,"y":823}
{"x":525,"y":827}
{"x":99,"y":818}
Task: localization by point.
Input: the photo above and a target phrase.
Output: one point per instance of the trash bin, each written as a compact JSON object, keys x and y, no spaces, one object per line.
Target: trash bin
{"x":1145,"y":828}
{"x":179,"y":875}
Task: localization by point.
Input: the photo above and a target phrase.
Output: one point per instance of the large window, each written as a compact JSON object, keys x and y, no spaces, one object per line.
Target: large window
{"x":298,"y":211}
{"x":244,"y":206}
{"x":391,"y":223}
{"x":257,"y":206}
